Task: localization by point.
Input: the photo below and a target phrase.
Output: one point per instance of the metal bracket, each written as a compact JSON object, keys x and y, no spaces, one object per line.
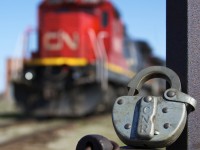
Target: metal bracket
{"x":177,"y":96}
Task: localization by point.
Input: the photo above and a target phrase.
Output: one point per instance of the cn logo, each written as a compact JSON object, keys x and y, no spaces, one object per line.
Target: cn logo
{"x":56,"y":40}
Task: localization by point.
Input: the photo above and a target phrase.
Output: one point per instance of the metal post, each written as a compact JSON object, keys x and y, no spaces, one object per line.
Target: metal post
{"x":183,"y":56}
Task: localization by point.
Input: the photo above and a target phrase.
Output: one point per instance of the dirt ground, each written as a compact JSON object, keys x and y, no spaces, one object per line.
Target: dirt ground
{"x":54,"y":134}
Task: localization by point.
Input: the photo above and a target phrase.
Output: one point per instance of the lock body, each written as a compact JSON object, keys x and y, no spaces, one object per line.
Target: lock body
{"x":148,"y":121}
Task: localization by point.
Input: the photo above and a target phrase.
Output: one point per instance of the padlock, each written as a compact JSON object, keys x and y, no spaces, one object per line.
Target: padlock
{"x":152,"y":121}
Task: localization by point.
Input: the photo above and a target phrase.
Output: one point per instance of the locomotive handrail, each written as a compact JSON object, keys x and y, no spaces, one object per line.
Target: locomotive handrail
{"x":104,"y":70}
{"x":101,"y":57}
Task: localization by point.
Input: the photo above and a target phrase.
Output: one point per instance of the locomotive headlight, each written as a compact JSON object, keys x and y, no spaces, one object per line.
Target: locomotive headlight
{"x":28,"y":75}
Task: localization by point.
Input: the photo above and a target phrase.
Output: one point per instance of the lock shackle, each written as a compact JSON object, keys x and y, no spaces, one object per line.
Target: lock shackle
{"x":153,"y":72}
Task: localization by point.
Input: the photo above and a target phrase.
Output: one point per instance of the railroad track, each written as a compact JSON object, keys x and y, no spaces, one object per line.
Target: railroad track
{"x":43,"y":137}
{"x":10,"y":124}
{"x":38,"y":136}
{"x":19,"y":129}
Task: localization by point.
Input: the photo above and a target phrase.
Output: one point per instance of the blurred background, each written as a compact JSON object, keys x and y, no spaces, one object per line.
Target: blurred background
{"x":64,"y":62}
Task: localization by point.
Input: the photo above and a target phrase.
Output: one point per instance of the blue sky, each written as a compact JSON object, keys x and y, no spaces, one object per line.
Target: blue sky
{"x":145,"y":20}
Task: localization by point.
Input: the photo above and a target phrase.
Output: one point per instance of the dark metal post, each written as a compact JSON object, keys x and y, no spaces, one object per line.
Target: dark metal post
{"x":183,"y":56}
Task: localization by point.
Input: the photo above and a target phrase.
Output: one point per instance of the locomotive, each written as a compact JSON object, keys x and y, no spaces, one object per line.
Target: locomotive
{"x":83,"y":61}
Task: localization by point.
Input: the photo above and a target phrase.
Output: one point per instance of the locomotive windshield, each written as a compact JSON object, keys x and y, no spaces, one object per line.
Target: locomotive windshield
{"x":104,"y":19}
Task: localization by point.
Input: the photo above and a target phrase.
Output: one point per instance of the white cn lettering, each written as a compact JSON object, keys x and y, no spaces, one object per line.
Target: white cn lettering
{"x":52,"y":36}
{"x":72,"y":43}
{"x":56,"y":40}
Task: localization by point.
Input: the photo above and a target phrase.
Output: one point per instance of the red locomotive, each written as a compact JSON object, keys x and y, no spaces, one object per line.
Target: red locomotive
{"x":84,"y":59}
